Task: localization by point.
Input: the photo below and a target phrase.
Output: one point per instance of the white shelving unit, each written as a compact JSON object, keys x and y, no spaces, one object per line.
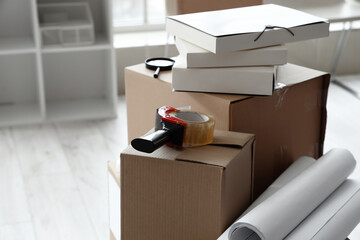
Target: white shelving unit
{"x":45,"y":83}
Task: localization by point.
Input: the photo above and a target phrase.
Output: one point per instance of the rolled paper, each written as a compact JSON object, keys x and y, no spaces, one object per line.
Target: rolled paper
{"x":275,"y":216}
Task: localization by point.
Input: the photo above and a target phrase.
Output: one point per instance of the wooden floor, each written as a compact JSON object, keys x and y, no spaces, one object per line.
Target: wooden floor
{"x":53,"y":181}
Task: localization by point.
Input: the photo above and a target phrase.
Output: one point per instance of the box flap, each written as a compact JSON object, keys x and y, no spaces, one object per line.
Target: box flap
{"x":231,"y":139}
{"x":221,"y":152}
{"x":212,"y":155}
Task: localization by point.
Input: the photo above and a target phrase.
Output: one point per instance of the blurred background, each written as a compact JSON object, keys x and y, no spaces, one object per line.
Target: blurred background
{"x":53,"y":181}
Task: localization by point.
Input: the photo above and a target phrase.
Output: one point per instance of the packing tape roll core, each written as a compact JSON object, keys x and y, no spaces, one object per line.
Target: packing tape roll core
{"x":199,"y":127}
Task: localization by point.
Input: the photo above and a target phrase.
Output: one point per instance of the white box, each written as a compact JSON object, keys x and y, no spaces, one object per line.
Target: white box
{"x":233,"y":80}
{"x":246,"y":28}
{"x":197,"y":57}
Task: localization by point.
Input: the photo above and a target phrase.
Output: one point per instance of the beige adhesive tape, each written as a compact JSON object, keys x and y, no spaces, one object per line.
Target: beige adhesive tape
{"x":177,"y":129}
{"x":199,"y":127}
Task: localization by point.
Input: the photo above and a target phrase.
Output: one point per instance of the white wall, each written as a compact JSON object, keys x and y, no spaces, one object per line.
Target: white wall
{"x":319,"y":53}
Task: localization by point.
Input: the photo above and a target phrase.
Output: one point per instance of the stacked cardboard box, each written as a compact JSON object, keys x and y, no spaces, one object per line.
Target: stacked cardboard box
{"x":288,"y":124}
{"x":195,"y":193}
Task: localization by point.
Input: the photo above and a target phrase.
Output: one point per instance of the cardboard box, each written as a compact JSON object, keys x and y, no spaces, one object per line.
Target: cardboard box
{"x":189,"y":6}
{"x":289,"y":124}
{"x":195,"y":193}
{"x":114,"y":200}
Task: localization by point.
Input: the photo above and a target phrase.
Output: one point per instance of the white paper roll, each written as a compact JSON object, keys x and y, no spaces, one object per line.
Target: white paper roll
{"x":290,"y":173}
{"x":295,"y":169}
{"x":335,"y":218}
{"x":275,"y":217}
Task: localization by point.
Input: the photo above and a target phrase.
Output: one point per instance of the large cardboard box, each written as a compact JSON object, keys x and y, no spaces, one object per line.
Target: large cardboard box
{"x":114,"y":199}
{"x":174,"y":7}
{"x":289,"y":124}
{"x":194,"y":193}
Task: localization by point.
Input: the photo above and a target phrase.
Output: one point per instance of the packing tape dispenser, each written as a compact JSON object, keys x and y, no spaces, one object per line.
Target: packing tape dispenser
{"x":178,"y":129}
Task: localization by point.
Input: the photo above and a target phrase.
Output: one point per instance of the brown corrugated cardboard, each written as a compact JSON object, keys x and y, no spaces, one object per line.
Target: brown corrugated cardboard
{"x":289,"y":124}
{"x":189,"y":6}
{"x":195,"y":193}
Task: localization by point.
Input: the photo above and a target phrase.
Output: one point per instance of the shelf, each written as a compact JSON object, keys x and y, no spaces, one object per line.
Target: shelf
{"x":79,"y":109}
{"x":55,"y":82}
{"x":17,"y":114}
{"x":101,"y":43}
{"x":16,"y":45}
{"x":78,"y":23}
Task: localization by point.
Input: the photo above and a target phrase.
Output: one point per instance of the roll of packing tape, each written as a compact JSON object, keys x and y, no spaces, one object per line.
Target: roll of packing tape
{"x":199,"y":127}
{"x":178,"y":129}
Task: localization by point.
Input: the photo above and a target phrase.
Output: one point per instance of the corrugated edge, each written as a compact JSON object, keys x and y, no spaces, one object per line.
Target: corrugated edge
{"x":122,"y":196}
{"x":230,"y":122}
{"x":253,"y":139}
{"x":222,"y":196}
{"x":252,"y":171}
{"x":326,"y":83}
{"x":113,"y":172}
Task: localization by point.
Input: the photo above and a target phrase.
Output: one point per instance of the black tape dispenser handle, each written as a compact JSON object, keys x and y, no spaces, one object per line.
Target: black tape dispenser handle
{"x":168,"y":130}
{"x":151,"y":142}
